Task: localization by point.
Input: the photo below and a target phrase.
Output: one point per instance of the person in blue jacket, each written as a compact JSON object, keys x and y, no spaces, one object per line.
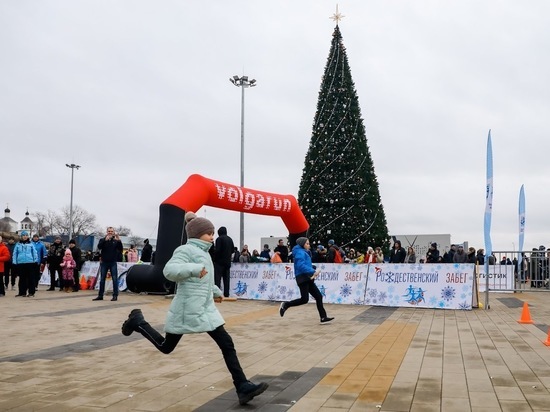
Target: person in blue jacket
{"x":193,"y":309}
{"x":42,"y":254}
{"x":25,"y":258}
{"x":305,"y":274}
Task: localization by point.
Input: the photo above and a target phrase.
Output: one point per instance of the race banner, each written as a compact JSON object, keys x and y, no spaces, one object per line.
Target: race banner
{"x":275,"y":281}
{"x":500,"y":277}
{"x":429,"y":286}
{"x":438,"y":286}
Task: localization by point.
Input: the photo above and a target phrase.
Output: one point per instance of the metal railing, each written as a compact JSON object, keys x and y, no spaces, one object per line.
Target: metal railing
{"x":509,"y":273}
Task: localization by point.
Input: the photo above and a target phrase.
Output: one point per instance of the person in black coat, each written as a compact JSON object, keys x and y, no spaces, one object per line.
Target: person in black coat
{"x":147,"y":251}
{"x":111,"y":248}
{"x":433,"y":254}
{"x":283,"y":250}
{"x":222,"y":260}
{"x":397,"y":254}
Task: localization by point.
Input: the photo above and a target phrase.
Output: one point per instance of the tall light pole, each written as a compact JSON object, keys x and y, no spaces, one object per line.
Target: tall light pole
{"x":243,"y":83}
{"x":71,"y":166}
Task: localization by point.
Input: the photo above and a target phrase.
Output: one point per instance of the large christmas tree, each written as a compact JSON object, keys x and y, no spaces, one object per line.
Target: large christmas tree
{"x":339,"y":192}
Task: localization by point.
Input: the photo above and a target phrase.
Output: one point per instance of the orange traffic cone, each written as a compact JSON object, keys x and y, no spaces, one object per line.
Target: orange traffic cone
{"x":83,"y":283}
{"x":547,"y":343}
{"x":525,"y":314}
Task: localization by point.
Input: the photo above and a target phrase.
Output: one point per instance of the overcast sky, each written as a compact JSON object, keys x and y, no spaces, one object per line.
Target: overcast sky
{"x":138,"y":94}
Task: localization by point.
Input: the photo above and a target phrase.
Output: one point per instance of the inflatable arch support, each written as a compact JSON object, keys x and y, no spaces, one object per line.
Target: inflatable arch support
{"x":199,"y":191}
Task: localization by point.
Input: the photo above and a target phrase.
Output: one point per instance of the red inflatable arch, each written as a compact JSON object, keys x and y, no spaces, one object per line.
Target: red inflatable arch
{"x":199,"y":191}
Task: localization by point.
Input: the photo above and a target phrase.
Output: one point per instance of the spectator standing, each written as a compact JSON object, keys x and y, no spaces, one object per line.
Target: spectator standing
{"x":235,"y":256}
{"x":471,"y":257}
{"x":370,"y":257}
{"x":305,"y":274}
{"x":433,"y":254}
{"x":244,"y":256}
{"x":448,"y":255}
{"x":480,"y":257}
{"x":411,"y":255}
{"x":397,"y":254}
{"x":25,"y":258}
{"x":5,"y":256}
{"x":132,"y":254}
{"x":282,"y":249}
{"x":254,"y":258}
{"x":266,"y":253}
{"x":147,"y":251}
{"x":222,"y":262}
{"x":319,"y":255}
{"x":460,"y":256}
{"x":10,"y":270}
{"x":379,"y":255}
{"x":193,"y":309}
{"x":67,"y":270}
{"x":77,"y":256}
{"x":110,"y":247}
{"x":42,"y":255}
{"x":54,"y":259}
{"x":334,"y":255}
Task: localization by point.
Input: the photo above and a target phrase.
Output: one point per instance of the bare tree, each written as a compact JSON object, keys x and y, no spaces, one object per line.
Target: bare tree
{"x":123,"y":231}
{"x":84,"y":222}
{"x":5,"y":227}
{"x":47,"y":223}
{"x":135,"y":240}
{"x":42,"y":225}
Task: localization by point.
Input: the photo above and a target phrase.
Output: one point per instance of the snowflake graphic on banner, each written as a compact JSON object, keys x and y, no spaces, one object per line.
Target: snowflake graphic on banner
{"x":448,"y":293}
{"x":345,"y":290}
{"x":262,"y":287}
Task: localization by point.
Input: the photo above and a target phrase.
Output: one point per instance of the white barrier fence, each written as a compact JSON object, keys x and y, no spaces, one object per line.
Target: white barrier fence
{"x":90,"y":272}
{"x":500,"y":277}
{"x":442,"y":286}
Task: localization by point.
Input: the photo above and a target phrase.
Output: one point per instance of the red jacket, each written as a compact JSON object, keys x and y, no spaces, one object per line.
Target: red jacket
{"x":4,"y":256}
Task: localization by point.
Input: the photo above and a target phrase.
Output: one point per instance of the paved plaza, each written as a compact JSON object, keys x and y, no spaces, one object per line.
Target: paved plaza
{"x":63,"y":352}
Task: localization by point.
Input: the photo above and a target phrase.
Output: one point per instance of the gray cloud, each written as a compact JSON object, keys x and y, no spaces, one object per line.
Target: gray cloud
{"x":138,"y":94}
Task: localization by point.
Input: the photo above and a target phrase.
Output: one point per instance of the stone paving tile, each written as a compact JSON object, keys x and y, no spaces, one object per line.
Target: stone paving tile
{"x":515,"y":406}
{"x":450,"y":358}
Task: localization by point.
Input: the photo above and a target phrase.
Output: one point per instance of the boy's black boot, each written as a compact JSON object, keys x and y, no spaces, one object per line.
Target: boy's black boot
{"x":135,"y":318}
{"x":248,"y":390}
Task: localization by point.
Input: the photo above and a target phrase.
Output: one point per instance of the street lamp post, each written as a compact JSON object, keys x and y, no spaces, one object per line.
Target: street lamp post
{"x":243,"y":83}
{"x":71,"y":166}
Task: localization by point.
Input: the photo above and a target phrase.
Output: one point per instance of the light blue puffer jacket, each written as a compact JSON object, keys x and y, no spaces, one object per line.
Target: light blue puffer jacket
{"x":193,"y":309}
{"x":24,"y":252}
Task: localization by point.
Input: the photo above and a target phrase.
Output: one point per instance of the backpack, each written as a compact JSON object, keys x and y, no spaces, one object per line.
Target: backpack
{"x":337,"y":256}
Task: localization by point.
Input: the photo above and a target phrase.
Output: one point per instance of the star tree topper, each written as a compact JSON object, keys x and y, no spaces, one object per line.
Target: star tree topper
{"x":337,"y":16}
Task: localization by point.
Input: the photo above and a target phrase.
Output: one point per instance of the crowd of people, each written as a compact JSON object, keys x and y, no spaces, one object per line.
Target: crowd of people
{"x":24,"y":262}
{"x":534,"y":267}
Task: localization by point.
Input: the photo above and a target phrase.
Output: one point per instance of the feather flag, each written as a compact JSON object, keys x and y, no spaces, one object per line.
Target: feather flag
{"x":488,"y":202}
{"x":521,"y":211}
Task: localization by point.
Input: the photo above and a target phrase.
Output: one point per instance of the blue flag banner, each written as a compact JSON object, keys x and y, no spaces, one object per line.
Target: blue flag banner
{"x":488,"y":201}
{"x":521,"y":211}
